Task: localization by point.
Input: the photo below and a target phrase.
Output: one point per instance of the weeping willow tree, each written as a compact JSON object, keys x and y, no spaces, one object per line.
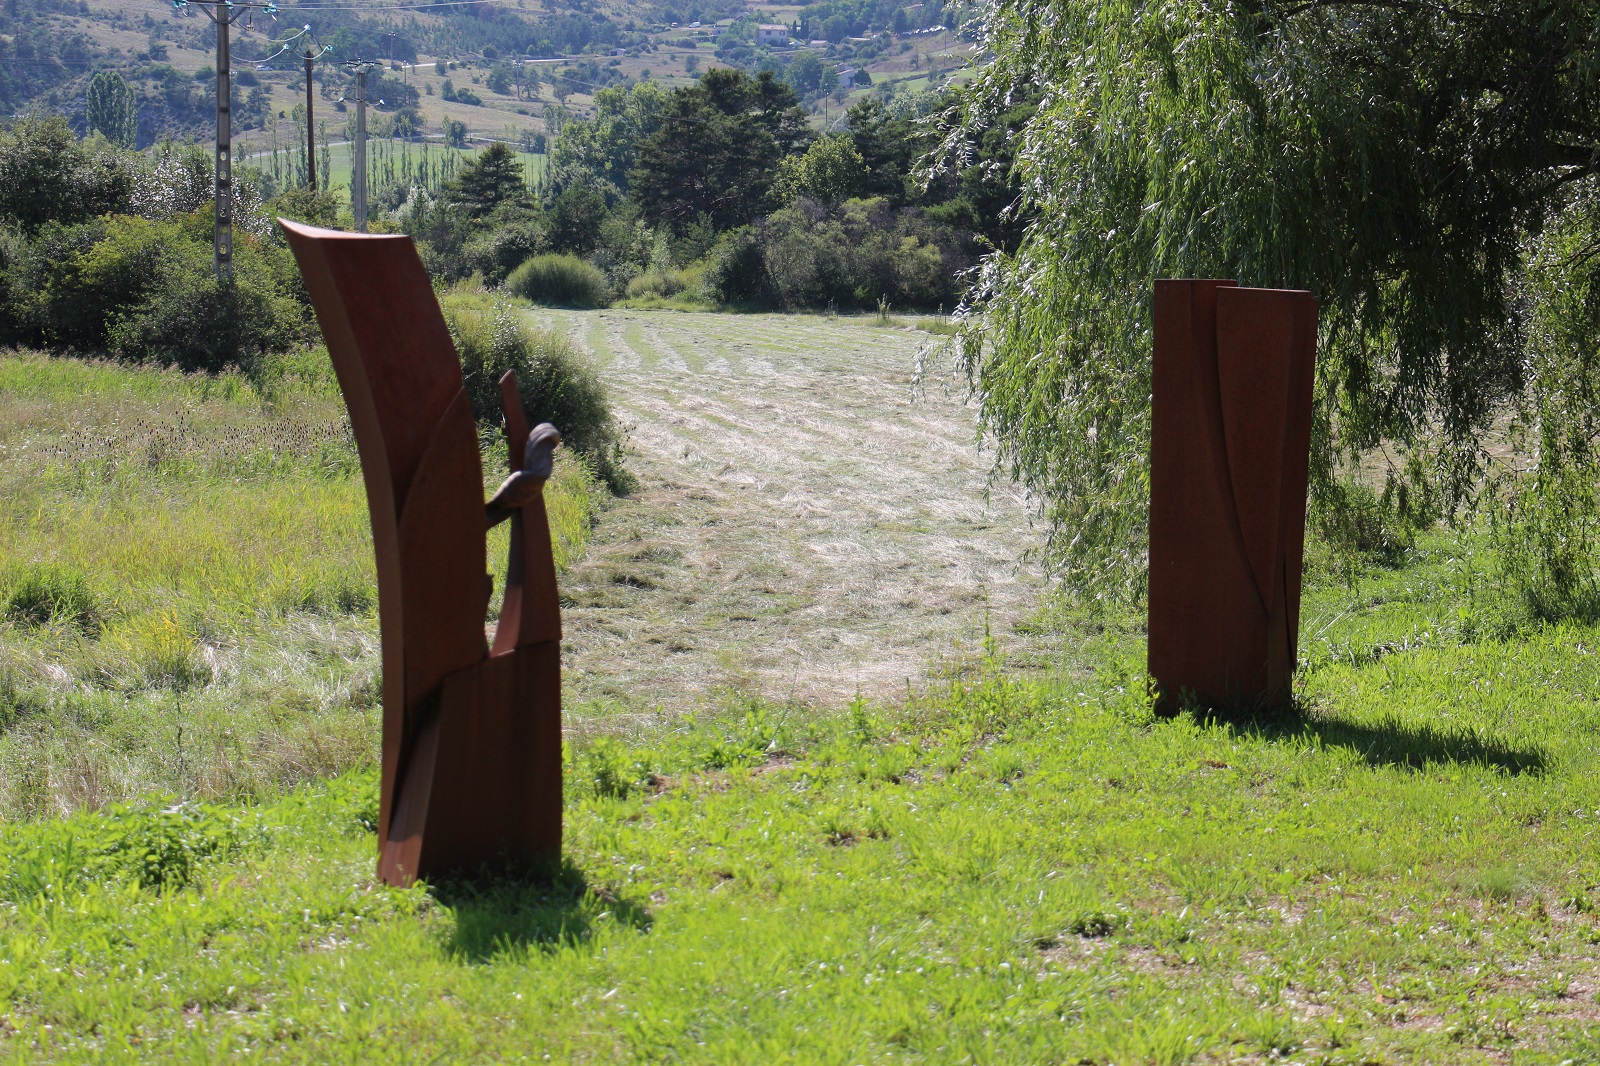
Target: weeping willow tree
{"x":1426,"y":167}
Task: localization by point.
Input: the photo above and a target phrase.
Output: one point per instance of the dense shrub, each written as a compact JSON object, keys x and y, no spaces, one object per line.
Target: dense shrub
{"x":663,"y":284}
{"x":736,"y":269}
{"x":1359,"y":523}
{"x":197,"y":323}
{"x":560,"y":281}
{"x":46,"y":175}
{"x":556,"y":383}
{"x":146,"y":292}
{"x":312,"y":206}
{"x":496,"y":254}
{"x":861,"y":254}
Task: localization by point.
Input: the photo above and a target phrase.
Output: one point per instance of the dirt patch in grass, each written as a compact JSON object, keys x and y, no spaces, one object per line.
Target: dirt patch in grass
{"x":805,"y":526}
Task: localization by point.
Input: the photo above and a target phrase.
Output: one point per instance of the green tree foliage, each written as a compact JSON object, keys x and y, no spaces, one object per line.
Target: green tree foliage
{"x":574,"y":218}
{"x":804,"y":73}
{"x":889,"y":145}
{"x":492,"y":180}
{"x":1549,"y":537}
{"x":1394,"y":158}
{"x":716,"y":151}
{"x":47,"y":175}
{"x":861,"y":254}
{"x":602,"y":150}
{"x":145,"y":292}
{"x":105,"y":251}
{"x":830,"y":170}
{"x":111,"y":109}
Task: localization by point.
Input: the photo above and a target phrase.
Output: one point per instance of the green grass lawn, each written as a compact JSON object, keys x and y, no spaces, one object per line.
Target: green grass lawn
{"x":1005,"y":866}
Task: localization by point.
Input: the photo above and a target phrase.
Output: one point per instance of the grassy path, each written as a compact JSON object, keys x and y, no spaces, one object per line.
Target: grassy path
{"x":806,"y":528}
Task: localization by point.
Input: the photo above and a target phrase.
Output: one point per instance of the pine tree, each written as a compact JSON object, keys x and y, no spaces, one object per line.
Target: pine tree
{"x":112,"y":111}
{"x":494,"y":178}
{"x":716,"y":148}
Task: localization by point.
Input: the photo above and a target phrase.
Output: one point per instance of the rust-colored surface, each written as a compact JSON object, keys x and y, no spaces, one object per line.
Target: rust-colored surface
{"x":1230,"y":444}
{"x":471,"y":734}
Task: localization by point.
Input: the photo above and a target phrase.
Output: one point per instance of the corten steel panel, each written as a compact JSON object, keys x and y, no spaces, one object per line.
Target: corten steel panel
{"x":471,"y":736}
{"x":1229,"y":449}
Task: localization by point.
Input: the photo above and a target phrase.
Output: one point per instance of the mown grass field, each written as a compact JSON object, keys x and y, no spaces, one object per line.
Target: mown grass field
{"x":808,"y":525}
{"x":1008,"y":861}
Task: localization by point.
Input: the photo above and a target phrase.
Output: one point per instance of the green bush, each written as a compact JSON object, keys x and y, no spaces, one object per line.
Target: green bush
{"x":39,"y":595}
{"x":197,"y":323}
{"x":664,"y":284}
{"x":1355,"y":521}
{"x":560,"y":281}
{"x":556,"y":383}
{"x":808,"y":259}
{"x":861,"y":254}
{"x":311,"y":206}
{"x":496,"y":254}
{"x":48,"y":175}
{"x":146,"y":292}
{"x":736,"y":269}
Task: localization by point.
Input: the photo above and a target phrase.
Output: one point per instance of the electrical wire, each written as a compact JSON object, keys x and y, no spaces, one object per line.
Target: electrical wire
{"x":390,"y":7}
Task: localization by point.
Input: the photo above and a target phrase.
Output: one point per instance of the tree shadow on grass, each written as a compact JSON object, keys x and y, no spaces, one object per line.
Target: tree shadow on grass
{"x":544,"y":907}
{"x":1388,"y":742}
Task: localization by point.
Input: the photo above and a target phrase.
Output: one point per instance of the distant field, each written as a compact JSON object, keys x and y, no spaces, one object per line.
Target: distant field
{"x":341,"y":154}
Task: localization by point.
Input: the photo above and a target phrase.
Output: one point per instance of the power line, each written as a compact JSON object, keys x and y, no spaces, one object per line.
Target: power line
{"x":390,"y":7}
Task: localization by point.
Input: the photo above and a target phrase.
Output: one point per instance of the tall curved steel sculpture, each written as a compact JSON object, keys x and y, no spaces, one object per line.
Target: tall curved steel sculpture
{"x":1230,"y":445}
{"x":471,"y":730}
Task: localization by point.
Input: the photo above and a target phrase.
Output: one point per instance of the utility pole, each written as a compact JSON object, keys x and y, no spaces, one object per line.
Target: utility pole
{"x":311,"y":128}
{"x":314,"y":50}
{"x":358,"y":158}
{"x":223,"y":13}
{"x":222,"y":225}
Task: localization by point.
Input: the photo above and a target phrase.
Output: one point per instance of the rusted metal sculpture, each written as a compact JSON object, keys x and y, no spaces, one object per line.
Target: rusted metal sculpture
{"x":1230,"y":444}
{"x":471,"y":732}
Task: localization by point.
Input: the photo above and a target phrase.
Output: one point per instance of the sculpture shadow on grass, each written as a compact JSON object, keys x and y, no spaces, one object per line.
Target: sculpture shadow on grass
{"x":1388,"y":742}
{"x":544,"y":907}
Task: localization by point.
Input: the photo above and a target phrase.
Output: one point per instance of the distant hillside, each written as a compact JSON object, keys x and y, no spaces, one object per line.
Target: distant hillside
{"x":494,"y":70}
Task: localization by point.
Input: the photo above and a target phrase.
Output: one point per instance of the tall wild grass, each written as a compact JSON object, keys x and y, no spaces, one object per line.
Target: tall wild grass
{"x":187,"y":590}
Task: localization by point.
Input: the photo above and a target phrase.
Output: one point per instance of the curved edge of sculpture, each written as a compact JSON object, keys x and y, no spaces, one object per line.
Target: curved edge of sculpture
{"x":471,"y":767}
